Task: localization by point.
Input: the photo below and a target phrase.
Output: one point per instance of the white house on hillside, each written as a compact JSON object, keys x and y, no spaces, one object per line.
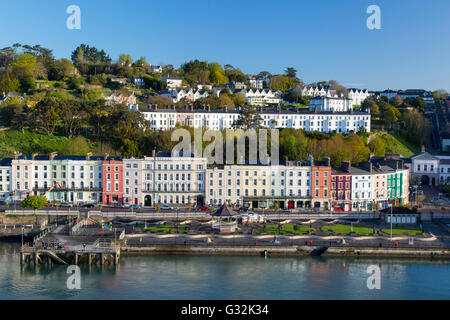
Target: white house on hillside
{"x":173,"y":83}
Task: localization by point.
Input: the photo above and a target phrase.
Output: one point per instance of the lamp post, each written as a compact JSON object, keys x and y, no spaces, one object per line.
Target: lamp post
{"x":392,"y":206}
{"x":22,"y":236}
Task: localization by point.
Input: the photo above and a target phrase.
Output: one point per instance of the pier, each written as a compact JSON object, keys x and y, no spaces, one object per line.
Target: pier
{"x":100,"y":252}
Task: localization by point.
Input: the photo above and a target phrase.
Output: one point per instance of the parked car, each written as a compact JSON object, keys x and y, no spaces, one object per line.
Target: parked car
{"x":165,"y":207}
{"x":65,"y":204}
{"x":204,"y":208}
{"x":87,"y":205}
{"x":3,"y":203}
{"x":134,"y":206}
{"x":119,"y":205}
{"x":243,"y":209}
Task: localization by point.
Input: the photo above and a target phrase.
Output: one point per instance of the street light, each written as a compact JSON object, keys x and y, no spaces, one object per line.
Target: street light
{"x":22,"y":236}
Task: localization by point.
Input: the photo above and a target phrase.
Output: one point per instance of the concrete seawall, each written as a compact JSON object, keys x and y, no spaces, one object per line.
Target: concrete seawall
{"x":285,"y":251}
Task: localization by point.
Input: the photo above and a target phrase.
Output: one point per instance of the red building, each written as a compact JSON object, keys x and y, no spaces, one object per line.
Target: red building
{"x":341,"y":188}
{"x":112,"y":181}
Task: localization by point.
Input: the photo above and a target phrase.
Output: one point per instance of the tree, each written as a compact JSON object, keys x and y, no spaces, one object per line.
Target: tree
{"x":142,"y":61}
{"x":9,"y":83}
{"x":195,"y":72}
{"x":390,"y":116}
{"x":377,"y":146}
{"x":72,"y":115}
{"x":125,"y":60}
{"x":35,"y":202}
{"x":235,"y":75}
{"x":154,"y":83}
{"x":129,"y":148}
{"x":216,"y":74}
{"x":291,"y":72}
{"x":282,"y":83}
{"x":46,"y":114}
{"x":371,"y":104}
{"x":76,"y":146}
{"x":415,"y":128}
{"x":238,"y":99}
{"x":89,"y":60}
{"x":92,"y":95}
{"x":248,"y":118}
{"x":61,"y":69}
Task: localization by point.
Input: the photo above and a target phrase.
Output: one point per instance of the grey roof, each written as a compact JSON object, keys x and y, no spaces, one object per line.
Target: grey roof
{"x":168,"y":154}
{"x":224,"y":211}
{"x":77,"y":158}
{"x":423,"y":156}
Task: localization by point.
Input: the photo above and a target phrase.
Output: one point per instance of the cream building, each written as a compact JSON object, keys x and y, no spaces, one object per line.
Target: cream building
{"x":164,"y":179}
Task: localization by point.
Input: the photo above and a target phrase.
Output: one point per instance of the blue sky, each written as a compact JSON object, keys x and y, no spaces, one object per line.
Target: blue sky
{"x":323,"y":40}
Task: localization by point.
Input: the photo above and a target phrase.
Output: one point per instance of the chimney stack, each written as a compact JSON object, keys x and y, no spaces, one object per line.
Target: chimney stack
{"x":17,"y":155}
{"x":208,"y":108}
{"x":153,"y":153}
{"x":423,"y":148}
{"x":88,"y":156}
{"x":33,"y":156}
{"x":225,"y":108}
{"x":53,"y":155}
{"x":106,"y":156}
{"x":155,"y":106}
{"x":327,"y":161}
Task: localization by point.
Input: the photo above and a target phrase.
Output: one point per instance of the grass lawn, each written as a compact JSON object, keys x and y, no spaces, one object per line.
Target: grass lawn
{"x":396,"y":144}
{"x":398,"y":231}
{"x":345,"y":229}
{"x":29,"y":142}
{"x":288,"y":228}
{"x":167,"y":228}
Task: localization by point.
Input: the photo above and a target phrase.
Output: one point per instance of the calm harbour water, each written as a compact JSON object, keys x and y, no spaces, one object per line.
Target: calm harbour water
{"x":228,"y":277}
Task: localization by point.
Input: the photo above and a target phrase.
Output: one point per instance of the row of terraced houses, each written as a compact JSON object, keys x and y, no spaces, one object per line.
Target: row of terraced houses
{"x":180,"y":179}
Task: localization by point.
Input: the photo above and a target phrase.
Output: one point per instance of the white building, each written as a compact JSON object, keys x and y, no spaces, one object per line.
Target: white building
{"x":257,"y":83}
{"x":343,"y":122}
{"x":362,"y":188}
{"x":189,"y":94}
{"x":5,"y":180}
{"x":73,"y":179}
{"x":261,"y":97}
{"x":310,"y":91}
{"x":156,"y":69}
{"x":330,"y":104}
{"x":388,"y":93}
{"x":173,"y":83}
{"x":358,"y":95}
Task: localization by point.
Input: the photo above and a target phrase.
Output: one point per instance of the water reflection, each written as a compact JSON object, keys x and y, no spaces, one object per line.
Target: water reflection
{"x":226,"y":277}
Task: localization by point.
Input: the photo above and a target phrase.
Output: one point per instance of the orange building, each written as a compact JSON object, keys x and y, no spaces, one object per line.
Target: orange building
{"x":321,"y":184}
